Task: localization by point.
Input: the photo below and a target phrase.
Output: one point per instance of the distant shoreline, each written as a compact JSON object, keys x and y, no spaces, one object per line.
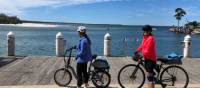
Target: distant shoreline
{"x":185,"y":31}
{"x":26,"y":23}
{"x":52,"y":25}
{"x":196,"y":31}
{"x":31,"y":25}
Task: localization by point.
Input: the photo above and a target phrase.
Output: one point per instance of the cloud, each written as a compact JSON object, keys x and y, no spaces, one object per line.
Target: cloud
{"x":17,"y":7}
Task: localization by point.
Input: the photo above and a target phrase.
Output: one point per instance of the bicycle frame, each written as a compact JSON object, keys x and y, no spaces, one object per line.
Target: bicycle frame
{"x":141,"y":64}
{"x":67,"y":63}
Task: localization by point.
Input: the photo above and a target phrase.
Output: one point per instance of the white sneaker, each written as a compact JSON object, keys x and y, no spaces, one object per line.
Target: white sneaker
{"x":86,"y":85}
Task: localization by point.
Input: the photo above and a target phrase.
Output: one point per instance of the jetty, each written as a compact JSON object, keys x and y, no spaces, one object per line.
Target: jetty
{"x":185,"y":30}
{"x":38,"y":71}
{"x":180,"y":30}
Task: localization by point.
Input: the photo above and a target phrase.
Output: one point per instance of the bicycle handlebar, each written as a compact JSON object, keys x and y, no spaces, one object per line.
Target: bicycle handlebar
{"x":70,"y":49}
{"x":74,"y":47}
{"x":137,"y":57}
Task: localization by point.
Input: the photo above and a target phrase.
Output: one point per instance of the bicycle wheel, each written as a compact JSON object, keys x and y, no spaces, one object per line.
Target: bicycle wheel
{"x":101,"y":79}
{"x":62,"y":77}
{"x":174,"y":76}
{"x":131,"y":76}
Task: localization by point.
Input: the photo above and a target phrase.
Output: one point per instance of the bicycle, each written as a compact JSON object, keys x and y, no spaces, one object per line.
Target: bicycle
{"x":99,"y":75}
{"x":170,"y":75}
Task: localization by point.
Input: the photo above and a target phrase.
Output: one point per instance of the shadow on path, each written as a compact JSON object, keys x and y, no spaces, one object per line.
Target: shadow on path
{"x":88,"y":87}
{"x":7,"y":60}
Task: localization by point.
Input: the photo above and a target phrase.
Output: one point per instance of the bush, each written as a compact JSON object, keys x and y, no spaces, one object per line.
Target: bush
{"x":4,"y":19}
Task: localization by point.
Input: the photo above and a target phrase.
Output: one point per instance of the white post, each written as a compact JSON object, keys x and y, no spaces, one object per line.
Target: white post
{"x":11,"y":44}
{"x":187,"y":43}
{"x":59,"y":44}
{"x":64,"y":45}
{"x":107,"y":44}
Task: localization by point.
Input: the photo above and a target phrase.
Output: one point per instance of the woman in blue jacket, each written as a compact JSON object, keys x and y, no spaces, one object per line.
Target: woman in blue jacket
{"x":83,"y":56}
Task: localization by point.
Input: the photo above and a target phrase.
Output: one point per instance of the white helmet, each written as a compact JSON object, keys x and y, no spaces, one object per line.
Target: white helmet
{"x":81,"y":29}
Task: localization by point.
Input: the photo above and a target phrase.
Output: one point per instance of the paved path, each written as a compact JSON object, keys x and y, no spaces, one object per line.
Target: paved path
{"x":55,"y":86}
{"x":39,"y":70}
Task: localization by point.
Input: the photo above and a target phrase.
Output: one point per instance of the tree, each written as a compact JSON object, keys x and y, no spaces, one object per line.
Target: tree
{"x":3,"y":15}
{"x":198,"y":23}
{"x":194,"y":24}
{"x":179,"y":14}
{"x":4,"y":19}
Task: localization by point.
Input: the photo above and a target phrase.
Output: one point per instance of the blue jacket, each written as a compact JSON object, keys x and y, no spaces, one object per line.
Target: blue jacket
{"x":83,"y":51}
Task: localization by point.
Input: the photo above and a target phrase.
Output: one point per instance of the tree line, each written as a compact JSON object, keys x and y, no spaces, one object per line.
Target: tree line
{"x":195,"y":24}
{"x":4,"y":19}
{"x":180,"y":13}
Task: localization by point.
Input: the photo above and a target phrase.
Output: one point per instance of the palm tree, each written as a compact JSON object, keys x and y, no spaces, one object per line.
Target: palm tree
{"x":179,"y":14}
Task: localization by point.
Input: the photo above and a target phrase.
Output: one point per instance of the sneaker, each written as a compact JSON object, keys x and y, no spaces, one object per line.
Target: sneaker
{"x":86,"y":85}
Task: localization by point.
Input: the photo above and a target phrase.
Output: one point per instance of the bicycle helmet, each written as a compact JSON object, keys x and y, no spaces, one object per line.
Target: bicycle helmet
{"x":81,"y":29}
{"x":147,"y":28}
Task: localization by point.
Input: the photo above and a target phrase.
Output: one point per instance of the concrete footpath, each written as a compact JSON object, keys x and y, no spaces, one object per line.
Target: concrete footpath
{"x":38,"y":71}
{"x":112,"y":86}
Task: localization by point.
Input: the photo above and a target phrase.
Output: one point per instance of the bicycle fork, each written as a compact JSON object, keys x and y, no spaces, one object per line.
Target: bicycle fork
{"x":73,"y":71}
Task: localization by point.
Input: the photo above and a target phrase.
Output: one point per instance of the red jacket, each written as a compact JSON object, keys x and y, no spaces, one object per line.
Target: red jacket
{"x":148,"y":47}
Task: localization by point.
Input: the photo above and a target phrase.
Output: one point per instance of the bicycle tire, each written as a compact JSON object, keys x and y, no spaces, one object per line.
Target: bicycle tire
{"x":129,"y":76}
{"x":66,"y":81}
{"x":178,"y":67}
{"x":99,"y":79}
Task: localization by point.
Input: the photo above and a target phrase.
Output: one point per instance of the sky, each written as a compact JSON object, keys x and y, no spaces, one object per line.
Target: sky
{"x":127,"y":12}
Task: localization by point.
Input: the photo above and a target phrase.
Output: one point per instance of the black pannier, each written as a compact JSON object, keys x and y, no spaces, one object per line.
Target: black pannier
{"x":100,"y":64}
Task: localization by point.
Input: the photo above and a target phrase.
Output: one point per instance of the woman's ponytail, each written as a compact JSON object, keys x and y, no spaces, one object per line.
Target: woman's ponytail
{"x":86,"y":36}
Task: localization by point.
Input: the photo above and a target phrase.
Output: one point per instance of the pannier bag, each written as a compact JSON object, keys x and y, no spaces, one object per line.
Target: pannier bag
{"x":173,"y":58}
{"x":100,"y":63}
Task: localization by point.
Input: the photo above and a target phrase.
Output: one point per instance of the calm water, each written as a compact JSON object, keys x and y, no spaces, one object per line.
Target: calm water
{"x":41,"y":41}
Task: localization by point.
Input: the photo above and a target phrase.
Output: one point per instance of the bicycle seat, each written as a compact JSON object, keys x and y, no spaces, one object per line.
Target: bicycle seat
{"x":163,"y":60}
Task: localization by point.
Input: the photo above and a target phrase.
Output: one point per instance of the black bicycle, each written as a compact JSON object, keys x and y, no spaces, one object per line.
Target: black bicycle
{"x":168,"y":74}
{"x":98,"y":74}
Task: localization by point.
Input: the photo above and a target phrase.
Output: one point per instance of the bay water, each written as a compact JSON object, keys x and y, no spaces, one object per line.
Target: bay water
{"x":125,"y":39}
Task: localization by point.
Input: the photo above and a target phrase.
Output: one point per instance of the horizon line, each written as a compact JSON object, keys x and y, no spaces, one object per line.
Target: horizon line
{"x":37,"y":21}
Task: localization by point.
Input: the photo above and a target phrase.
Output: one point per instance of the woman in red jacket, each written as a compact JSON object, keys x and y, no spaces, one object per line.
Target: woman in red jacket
{"x":149,"y":54}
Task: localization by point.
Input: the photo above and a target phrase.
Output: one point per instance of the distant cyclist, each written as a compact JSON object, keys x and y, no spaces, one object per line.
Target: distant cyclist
{"x":149,"y":53}
{"x":83,"y":56}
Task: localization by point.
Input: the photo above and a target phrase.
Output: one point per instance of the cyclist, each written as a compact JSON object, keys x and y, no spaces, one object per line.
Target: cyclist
{"x":83,"y":56}
{"x":149,"y":53}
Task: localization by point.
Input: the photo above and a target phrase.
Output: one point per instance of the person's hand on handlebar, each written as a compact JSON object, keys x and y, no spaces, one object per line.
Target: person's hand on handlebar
{"x":74,"y":47}
{"x":136,"y":53}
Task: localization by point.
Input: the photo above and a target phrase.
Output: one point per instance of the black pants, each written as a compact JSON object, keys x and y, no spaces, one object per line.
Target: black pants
{"x":150,"y":66}
{"x":82,"y":75}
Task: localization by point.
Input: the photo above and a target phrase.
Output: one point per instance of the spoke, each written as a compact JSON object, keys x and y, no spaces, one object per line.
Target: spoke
{"x":174,"y":75}
{"x":167,"y":80}
{"x":131,"y":76}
